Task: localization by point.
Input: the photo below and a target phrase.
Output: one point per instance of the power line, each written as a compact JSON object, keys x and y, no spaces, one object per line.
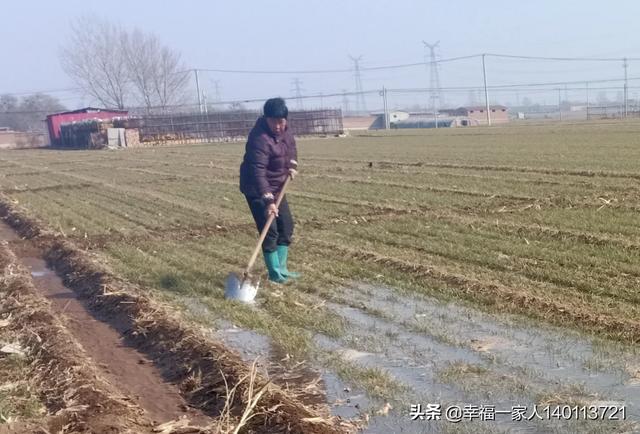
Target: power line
{"x":416,"y":64}
{"x":562,"y":59}
{"x":345,"y":96}
{"x":371,"y":68}
{"x":430,"y":61}
{"x":335,"y":71}
{"x":520,"y":87}
{"x":22,"y":93}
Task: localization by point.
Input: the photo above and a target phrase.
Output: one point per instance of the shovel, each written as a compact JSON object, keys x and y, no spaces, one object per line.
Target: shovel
{"x":245,"y":289}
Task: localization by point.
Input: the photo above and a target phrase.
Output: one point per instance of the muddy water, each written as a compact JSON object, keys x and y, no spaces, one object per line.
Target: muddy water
{"x":343,"y":400}
{"x":416,"y":339}
{"x":128,"y":370}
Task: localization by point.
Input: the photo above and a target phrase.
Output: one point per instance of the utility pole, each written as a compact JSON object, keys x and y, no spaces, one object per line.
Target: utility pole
{"x":434,"y":79}
{"x":486,"y":90}
{"x":345,"y":101}
{"x":204,"y":103}
{"x":385,"y":105}
{"x":626,"y":87}
{"x":587,"y":87}
{"x":360,"y":102}
{"x":217,"y":87}
{"x":560,"y":103}
{"x":198,"y":90}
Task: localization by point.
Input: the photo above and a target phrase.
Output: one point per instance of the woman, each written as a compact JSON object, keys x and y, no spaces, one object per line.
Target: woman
{"x":270,"y":157}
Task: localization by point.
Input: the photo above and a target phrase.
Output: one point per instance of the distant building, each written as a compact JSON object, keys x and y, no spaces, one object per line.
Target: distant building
{"x":373,"y":121}
{"x":429,"y":121}
{"x":10,"y":139}
{"x":405,"y":119}
{"x":361,"y":123}
{"x":54,"y":121}
{"x":478,"y":114}
{"x":398,"y":116}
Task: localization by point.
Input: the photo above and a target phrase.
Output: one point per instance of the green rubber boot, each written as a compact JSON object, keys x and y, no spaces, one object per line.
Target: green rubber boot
{"x":283,"y":253}
{"x":273,"y":266}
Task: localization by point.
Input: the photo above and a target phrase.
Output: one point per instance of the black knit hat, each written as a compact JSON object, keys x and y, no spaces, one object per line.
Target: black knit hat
{"x":276,"y":108}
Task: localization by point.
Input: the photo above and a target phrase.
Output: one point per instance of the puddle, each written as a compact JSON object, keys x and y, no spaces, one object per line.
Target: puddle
{"x":345,"y":401}
{"x":326,"y":387}
{"x":249,"y":344}
{"x":412,"y":358}
{"x":311,"y":384}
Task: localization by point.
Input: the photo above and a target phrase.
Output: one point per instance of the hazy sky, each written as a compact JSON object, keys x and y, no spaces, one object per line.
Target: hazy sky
{"x":304,"y":35}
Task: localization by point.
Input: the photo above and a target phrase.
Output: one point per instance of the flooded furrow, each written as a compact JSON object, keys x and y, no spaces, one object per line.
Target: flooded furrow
{"x":448,"y":353}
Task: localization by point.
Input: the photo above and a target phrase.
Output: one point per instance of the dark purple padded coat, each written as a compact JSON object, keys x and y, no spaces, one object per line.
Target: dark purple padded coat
{"x":266,"y":161}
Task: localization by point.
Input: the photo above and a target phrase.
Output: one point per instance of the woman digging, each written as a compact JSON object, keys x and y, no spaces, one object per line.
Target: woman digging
{"x":270,"y":157}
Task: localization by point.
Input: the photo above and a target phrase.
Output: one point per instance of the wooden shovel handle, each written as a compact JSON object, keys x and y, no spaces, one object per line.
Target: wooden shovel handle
{"x":265,"y":229}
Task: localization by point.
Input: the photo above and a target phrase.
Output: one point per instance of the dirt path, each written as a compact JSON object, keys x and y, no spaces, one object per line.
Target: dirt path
{"x":130,"y":371}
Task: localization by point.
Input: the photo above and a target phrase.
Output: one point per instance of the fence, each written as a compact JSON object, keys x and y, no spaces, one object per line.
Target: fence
{"x":192,"y":128}
{"x":226,"y":125}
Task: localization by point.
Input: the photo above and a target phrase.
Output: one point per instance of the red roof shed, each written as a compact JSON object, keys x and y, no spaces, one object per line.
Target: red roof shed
{"x":55,"y":120}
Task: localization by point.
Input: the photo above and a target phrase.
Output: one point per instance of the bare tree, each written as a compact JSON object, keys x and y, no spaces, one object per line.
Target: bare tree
{"x":118,"y":67}
{"x":158,"y":76}
{"x":171,"y":81}
{"x":94,"y":58}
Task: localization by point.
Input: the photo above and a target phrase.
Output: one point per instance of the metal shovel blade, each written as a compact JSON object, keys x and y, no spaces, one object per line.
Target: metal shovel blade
{"x":239,"y":289}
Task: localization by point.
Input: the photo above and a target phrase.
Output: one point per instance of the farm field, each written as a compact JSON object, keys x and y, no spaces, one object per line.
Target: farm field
{"x":496,"y":266}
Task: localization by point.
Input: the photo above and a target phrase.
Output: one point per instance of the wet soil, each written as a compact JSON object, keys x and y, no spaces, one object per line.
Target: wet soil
{"x":449,"y":353}
{"x":130,"y":371}
{"x":312,"y":384}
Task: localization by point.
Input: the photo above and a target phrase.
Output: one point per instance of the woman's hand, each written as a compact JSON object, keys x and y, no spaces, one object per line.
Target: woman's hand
{"x":268,"y":199}
{"x":272,"y":209}
{"x":293,"y":168}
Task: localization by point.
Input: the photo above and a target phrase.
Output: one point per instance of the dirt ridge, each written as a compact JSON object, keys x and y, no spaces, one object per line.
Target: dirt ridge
{"x":199,"y":366}
{"x":72,"y":389}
